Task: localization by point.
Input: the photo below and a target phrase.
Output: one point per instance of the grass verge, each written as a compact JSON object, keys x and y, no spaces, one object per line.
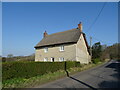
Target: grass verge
{"x":38,"y":80}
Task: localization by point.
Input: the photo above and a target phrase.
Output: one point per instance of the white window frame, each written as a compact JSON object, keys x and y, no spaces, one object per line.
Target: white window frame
{"x":62,"y":48}
{"x":51,"y":59}
{"x":45,"y":59}
{"x":61,"y":59}
{"x":46,"y":49}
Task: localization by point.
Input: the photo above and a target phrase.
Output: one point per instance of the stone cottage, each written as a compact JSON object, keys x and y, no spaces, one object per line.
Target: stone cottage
{"x":70,"y":45}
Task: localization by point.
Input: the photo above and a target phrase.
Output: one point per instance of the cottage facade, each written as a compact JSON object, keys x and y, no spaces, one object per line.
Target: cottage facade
{"x":70,"y":45}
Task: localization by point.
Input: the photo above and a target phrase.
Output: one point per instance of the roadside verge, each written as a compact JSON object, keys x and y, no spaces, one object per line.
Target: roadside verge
{"x":46,"y":78}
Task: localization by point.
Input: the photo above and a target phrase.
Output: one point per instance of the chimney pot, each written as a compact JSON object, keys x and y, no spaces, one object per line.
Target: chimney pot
{"x":45,"y":34}
{"x":80,"y":26}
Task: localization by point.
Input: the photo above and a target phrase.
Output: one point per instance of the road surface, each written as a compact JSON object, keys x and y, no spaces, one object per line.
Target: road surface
{"x":104,"y":76}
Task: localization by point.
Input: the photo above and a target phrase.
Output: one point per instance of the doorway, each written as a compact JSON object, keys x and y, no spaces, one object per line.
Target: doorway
{"x":52,"y":59}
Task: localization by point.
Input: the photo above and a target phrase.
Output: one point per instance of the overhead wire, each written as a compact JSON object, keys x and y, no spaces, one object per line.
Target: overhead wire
{"x":97,"y":16}
{"x":89,"y":28}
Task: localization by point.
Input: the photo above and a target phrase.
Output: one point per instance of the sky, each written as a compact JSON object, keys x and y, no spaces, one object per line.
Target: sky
{"x":0,"y":29}
{"x":23,"y":23}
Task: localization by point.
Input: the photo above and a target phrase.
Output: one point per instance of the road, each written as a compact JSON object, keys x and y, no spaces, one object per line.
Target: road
{"x":104,"y":76}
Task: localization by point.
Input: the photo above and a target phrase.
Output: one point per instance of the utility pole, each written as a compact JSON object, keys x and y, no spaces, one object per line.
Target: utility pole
{"x":91,"y":47}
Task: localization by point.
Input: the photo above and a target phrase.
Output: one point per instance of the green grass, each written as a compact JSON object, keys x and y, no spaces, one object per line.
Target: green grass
{"x":41,"y":79}
{"x":34,"y":81}
{"x":96,"y":60}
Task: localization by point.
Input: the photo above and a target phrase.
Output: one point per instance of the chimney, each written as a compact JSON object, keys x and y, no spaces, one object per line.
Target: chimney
{"x":45,"y":34}
{"x":80,"y":26}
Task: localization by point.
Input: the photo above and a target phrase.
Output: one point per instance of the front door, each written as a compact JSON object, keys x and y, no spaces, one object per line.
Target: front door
{"x":52,"y":59}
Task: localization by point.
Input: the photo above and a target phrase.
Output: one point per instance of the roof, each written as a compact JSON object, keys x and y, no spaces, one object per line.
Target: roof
{"x":69,"y":36}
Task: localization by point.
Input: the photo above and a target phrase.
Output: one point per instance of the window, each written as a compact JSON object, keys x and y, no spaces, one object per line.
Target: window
{"x":62,"y":48}
{"x":45,"y":59}
{"x":45,"y":49}
{"x":61,"y":59}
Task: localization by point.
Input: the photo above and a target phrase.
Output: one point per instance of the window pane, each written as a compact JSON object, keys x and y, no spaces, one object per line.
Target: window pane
{"x":46,"y":49}
{"x":45,"y":59}
{"x":61,"y":59}
{"x":61,"y":48}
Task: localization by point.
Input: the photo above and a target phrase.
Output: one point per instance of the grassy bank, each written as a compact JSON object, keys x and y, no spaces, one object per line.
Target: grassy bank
{"x":41,"y":79}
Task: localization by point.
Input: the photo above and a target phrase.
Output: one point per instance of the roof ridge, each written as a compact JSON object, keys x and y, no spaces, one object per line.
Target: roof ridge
{"x":68,"y":36}
{"x":61,"y":32}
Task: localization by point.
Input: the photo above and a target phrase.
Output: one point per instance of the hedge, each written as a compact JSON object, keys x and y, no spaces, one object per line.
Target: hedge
{"x":96,"y":60}
{"x":26,"y":70}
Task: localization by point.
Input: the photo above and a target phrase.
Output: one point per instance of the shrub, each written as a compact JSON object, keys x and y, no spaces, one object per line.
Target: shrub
{"x":20,"y":69}
{"x":3,"y":59}
{"x":118,"y":60}
{"x":96,"y":60}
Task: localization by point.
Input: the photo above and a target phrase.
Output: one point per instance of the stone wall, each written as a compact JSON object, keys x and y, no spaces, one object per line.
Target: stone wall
{"x":69,"y":53}
{"x":82,"y":54}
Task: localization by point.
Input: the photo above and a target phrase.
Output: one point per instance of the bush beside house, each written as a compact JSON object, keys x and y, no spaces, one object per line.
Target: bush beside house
{"x":96,"y":60}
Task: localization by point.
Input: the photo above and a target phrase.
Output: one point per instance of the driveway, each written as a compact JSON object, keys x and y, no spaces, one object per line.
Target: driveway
{"x":104,"y":76}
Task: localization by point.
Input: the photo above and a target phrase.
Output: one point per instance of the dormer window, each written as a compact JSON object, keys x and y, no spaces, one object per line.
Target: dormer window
{"x":62,"y":48}
{"x":45,"y":49}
